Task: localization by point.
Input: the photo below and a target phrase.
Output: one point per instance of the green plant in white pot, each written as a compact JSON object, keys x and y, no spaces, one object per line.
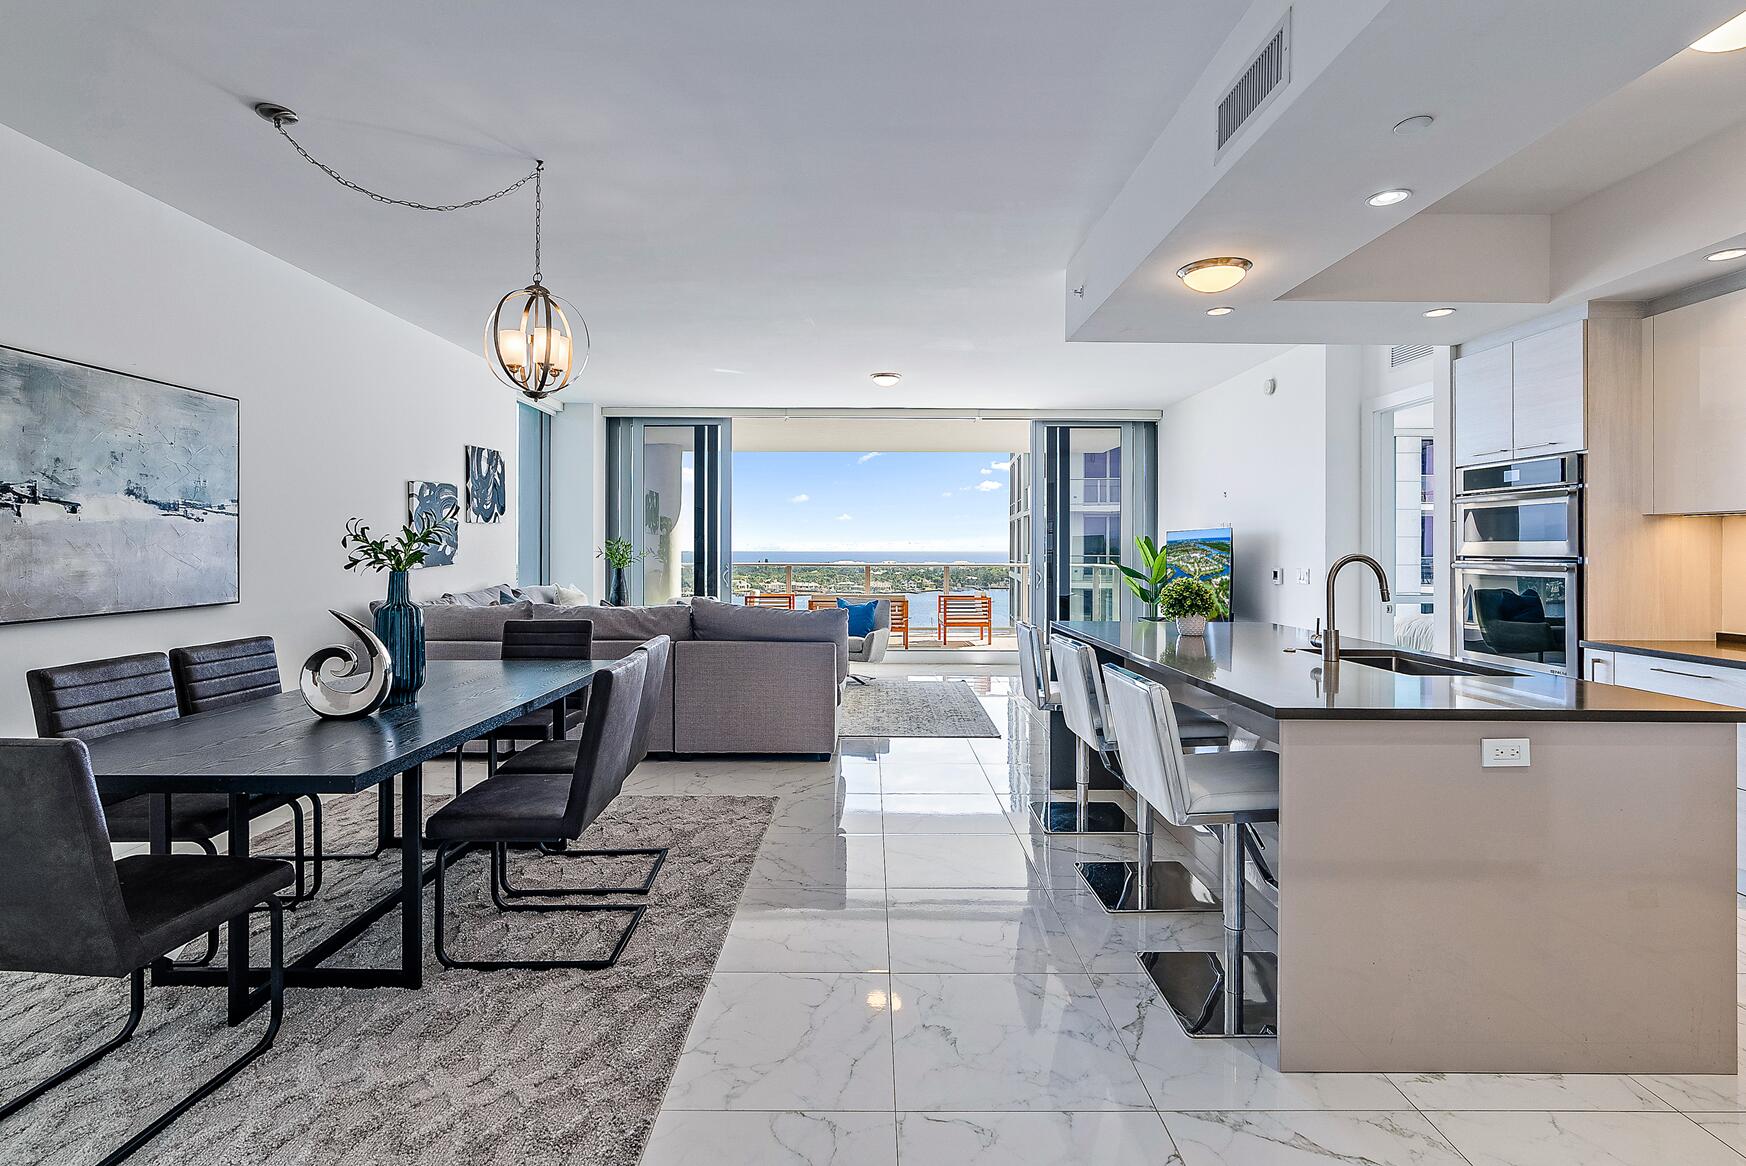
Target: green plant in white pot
{"x":1190,"y":603}
{"x":1147,"y":584}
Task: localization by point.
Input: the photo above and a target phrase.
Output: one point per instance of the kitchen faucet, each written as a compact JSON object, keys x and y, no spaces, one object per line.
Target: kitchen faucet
{"x":1331,"y":634}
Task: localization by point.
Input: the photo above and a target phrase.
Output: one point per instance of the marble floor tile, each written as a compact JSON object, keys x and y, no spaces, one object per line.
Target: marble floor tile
{"x":807,"y":931}
{"x":944,"y":814}
{"x":1007,"y":1042}
{"x":801,"y":861}
{"x":779,"y":779}
{"x":925,"y":749}
{"x":1112,"y":1138}
{"x":777,"y":1138}
{"x":1109,"y":942}
{"x":1582,"y":1139}
{"x":933,"y":777}
{"x":1699,"y":1093}
{"x":1182,"y":1073}
{"x":1729,"y":1128}
{"x":829,"y":811}
{"x":1402,"y":1138}
{"x":788,"y":1040}
{"x":1003,"y":750}
{"x":1525,"y":1091}
{"x":956,"y":860}
{"x":990,"y":930}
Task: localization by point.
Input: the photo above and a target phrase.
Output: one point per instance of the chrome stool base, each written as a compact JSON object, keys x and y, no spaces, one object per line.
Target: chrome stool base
{"x":1169,"y":886}
{"x":1193,"y":984}
{"x":1064,"y":818}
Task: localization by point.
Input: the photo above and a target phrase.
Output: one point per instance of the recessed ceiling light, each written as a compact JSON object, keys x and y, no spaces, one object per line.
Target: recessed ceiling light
{"x":1412,"y":125}
{"x":1439,"y":313}
{"x":1220,"y":311}
{"x":1211,"y":276}
{"x":1725,"y":255}
{"x":1726,"y":39}
{"x":1389,"y":197}
{"x":886,"y":379}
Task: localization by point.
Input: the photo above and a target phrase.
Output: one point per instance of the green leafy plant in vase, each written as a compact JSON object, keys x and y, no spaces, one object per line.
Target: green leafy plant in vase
{"x":619,"y":554}
{"x":1147,"y":584}
{"x":399,"y":621}
{"x":1190,"y":603}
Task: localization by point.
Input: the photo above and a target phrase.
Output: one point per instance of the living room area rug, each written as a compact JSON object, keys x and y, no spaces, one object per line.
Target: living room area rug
{"x":563,"y":1067}
{"x":913,"y":708}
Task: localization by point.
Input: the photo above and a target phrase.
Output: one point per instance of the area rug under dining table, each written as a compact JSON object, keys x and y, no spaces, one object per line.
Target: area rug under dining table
{"x":498,"y":1067}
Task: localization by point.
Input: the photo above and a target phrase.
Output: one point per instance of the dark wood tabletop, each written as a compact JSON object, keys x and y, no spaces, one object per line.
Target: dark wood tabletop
{"x":278,"y":745}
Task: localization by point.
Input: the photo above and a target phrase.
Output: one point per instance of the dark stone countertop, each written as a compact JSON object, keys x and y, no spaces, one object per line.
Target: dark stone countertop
{"x":1694,"y":651}
{"x":1249,"y":663}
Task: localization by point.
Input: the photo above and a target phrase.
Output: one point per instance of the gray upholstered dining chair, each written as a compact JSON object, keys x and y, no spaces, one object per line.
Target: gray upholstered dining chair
{"x":534,"y":809}
{"x":537,"y":639}
{"x":227,"y":673}
{"x":99,"y":697}
{"x":67,"y":907}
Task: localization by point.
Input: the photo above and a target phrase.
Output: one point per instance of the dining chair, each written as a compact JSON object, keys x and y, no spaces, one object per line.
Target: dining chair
{"x":536,"y":639}
{"x":67,"y":907}
{"x":225,"y":674}
{"x":531,"y":809}
{"x":96,"y":698}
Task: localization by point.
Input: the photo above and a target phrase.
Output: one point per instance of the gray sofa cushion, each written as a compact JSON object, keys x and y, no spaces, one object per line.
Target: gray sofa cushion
{"x":714,"y":620}
{"x":632,"y":623}
{"x":461,"y":622}
{"x":484,"y":597}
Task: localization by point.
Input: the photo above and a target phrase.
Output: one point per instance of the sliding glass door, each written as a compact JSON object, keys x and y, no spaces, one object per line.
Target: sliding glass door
{"x":668,"y":487}
{"x":1093,"y":490}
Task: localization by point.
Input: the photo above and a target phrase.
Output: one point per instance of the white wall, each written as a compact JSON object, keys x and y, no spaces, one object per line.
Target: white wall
{"x":341,"y":403}
{"x":578,"y":496}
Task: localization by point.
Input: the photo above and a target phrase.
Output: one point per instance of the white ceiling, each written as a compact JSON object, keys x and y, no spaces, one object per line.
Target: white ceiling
{"x":753,"y":204}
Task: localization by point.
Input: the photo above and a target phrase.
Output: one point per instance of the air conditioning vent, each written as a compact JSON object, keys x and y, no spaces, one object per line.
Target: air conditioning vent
{"x":1265,"y":76}
{"x":1407,"y":353}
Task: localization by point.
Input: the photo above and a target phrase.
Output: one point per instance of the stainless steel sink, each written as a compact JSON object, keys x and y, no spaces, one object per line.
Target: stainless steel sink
{"x":1410,"y":664}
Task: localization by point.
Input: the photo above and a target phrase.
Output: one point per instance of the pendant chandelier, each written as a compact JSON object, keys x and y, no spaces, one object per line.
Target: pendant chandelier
{"x":535,"y":342}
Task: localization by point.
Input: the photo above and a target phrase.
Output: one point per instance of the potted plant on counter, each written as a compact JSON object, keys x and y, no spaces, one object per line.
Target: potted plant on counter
{"x":1190,"y":603}
{"x":619,"y":555}
{"x":1147,"y":584}
{"x":399,"y":621}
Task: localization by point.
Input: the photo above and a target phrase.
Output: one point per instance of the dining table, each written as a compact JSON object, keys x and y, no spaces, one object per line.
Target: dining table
{"x":278,"y":746}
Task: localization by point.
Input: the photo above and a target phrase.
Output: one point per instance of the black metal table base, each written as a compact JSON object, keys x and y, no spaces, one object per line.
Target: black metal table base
{"x":1100,"y":818}
{"x":1193,"y":984}
{"x":1170,"y":886}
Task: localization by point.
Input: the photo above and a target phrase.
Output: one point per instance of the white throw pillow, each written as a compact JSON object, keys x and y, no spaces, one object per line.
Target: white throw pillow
{"x":572,"y":596}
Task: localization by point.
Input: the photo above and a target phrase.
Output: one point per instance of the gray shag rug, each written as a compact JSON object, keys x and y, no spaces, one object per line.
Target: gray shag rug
{"x":913,"y":708}
{"x":477,"y":1067}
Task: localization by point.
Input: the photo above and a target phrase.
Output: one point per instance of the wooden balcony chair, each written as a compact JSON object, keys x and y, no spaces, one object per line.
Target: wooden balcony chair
{"x":785,"y":602}
{"x":970,"y":612}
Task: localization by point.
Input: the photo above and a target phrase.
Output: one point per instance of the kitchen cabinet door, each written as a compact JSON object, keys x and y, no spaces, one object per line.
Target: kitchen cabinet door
{"x":1484,"y":421}
{"x":1547,"y":385}
{"x":1698,"y":367}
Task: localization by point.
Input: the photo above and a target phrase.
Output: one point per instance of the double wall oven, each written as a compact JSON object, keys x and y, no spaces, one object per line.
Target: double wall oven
{"x":1518,"y":563}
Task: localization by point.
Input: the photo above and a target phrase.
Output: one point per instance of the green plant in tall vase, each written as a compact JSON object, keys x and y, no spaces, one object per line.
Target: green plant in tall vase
{"x":399,"y":621}
{"x":1148,"y":583}
{"x":619,"y":554}
{"x":1190,"y":603}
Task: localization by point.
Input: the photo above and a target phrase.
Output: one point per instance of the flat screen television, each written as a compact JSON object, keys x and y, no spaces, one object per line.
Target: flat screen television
{"x":1202,"y":554}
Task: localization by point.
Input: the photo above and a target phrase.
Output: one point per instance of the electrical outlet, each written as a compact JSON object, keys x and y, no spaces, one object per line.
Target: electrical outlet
{"x":1503,"y":752}
{"x":1303,"y":575}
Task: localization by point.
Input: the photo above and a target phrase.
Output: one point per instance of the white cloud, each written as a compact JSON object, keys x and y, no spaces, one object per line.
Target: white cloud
{"x":985,"y":471}
{"x":998,"y":467}
{"x":948,"y":493}
{"x":845,"y":517}
{"x":987,"y":484}
{"x":867,"y":457}
{"x":800,"y":498}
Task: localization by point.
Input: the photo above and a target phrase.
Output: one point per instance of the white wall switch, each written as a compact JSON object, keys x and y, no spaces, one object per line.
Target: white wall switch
{"x":1496,"y":752}
{"x":1279,"y":574}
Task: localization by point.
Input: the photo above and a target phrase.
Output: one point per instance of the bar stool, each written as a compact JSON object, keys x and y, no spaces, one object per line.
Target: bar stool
{"x":1226,"y":789}
{"x":1034,"y":670}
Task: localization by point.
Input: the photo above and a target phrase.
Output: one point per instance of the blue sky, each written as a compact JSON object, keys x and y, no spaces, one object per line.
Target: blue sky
{"x":870,"y":501}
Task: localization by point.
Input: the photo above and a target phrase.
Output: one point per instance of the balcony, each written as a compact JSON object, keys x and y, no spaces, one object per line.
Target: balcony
{"x":919,"y":584}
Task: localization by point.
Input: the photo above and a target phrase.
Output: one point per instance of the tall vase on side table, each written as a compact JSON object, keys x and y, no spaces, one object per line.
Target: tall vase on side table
{"x":400,"y":625}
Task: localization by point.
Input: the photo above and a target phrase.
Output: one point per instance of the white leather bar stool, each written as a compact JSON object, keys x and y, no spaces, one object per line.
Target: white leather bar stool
{"x":1039,"y":691}
{"x":1225,"y":789}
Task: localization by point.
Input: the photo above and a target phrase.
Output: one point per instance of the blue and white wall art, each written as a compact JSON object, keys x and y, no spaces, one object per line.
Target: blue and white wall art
{"x":487,"y":495}
{"x":117,"y":493}
{"x":441,"y":502}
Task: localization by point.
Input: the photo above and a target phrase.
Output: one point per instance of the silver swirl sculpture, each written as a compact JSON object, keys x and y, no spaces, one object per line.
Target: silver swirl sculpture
{"x":330,"y":681}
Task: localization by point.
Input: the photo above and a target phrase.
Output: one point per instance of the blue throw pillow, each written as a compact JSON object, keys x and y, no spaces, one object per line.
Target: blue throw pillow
{"x":504,"y":598}
{"x":862,"y":616}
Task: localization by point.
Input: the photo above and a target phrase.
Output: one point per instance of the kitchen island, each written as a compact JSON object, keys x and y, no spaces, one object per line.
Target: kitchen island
{"x":1573,"y":914}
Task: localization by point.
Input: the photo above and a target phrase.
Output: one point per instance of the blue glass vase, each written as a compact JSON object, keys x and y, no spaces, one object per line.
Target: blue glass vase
{"x":400,"y":626}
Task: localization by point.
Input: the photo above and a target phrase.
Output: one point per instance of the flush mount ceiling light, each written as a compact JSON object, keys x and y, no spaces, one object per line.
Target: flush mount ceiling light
{"x":1439,"y":313}
{"x":1729,"y":38}
{"x":1220,"y":311}
{"x":1389,"y":197}
{"x":886,"y":379}
{"x":1727,"y":254}
{"x":531,"y":343}
{"x":1211,"y":276}
{"x":1413,"y":124}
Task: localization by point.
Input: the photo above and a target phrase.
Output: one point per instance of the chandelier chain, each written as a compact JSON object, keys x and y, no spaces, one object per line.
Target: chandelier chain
{"x":531,"y":176}
{"x":539,"y":206}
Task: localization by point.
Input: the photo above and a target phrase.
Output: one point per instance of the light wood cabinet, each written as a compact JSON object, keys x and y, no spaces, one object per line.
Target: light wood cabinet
{"x":1522,"y":399}
{"x":1698,"y":389}
{"x":1484,"y":427}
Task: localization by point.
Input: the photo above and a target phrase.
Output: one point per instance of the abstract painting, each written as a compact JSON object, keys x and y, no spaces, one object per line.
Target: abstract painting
{"x":117,"y":493}
{"x":440,"y":502}
{"x":487,"y":495}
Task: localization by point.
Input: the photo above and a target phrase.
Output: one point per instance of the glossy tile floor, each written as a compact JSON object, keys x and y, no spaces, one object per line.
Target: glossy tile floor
{"x":915,"y":976}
